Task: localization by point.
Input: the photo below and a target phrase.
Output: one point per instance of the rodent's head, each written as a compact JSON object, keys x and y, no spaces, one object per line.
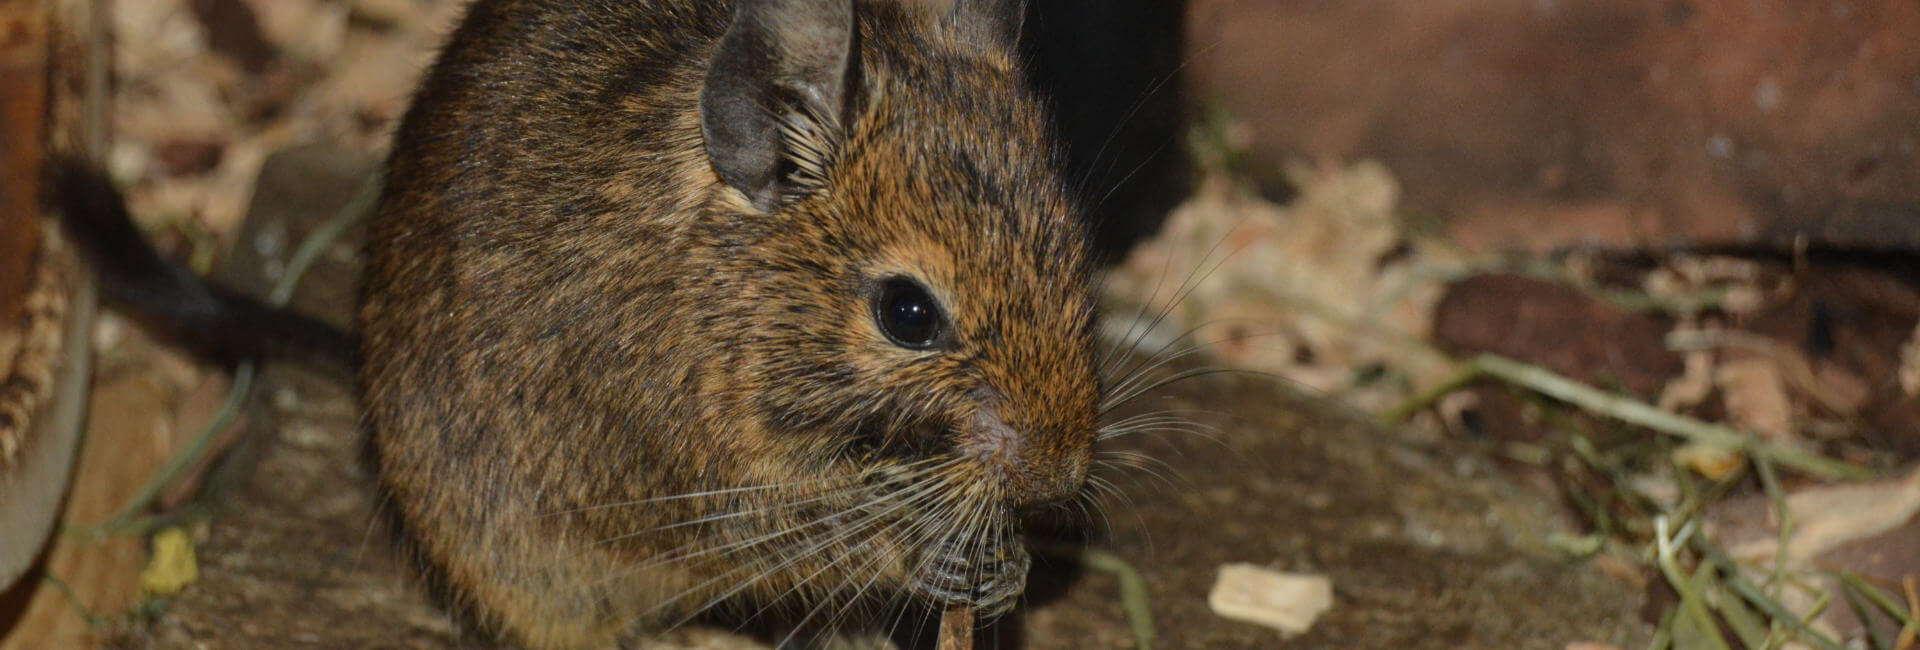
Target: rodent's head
{"x":897,"y":268}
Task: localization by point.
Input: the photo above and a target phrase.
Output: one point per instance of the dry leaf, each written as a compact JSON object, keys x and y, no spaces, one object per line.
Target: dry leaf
{"x":153,"y":36}
{"x":1700,"y":271}
{"x":172,"y":566}
{"x":1694,"y":384}
{"x":1712,"y":461}
{"x":375,"y":78}
{"x":1280,"y":289}
{"x":1658,"y":488}
{"x":1827,"y":516}
{"x":306,"y":30}
{"x":1756,"y":397}
{"x":1910,"y":364}
{"x":391,"y":12}
{"x":1831,"y":386}
{"x":1837,"y":388}
{"x":1744,"y":299}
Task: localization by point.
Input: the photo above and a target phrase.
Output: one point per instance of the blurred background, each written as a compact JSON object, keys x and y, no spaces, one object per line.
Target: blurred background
{"x":1652,"y":261}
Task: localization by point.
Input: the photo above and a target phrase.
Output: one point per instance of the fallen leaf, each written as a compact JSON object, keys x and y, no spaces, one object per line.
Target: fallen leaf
{"x":1712,"y":461}
{"x":1659,"y":488}
{"x":1910,"y":364}
{"x":1744,"y":299}
{"x":1837,"y":388}
{"x":305,"y":30}
{"x":172,"y":566}
{"x":1283,"y":289}
{"x":1694,"y":384}
{"x":1756,"y":397}
{"x":1826,"y":516}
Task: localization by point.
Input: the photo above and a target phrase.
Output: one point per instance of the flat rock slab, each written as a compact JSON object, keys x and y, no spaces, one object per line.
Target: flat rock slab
{"x":1423,"y":546}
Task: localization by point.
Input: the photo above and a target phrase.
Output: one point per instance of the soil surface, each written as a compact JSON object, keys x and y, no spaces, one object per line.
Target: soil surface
{"x":1426,"y":546}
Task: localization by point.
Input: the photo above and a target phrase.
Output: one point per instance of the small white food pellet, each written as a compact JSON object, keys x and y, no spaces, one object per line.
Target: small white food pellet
{"x":1288,"y":602}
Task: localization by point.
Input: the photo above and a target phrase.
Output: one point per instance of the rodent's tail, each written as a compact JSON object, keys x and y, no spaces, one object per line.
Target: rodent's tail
{"x":210,"y":319}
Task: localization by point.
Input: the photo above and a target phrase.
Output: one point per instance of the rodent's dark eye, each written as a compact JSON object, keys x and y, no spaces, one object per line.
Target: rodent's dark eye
{"x":907,"y":314}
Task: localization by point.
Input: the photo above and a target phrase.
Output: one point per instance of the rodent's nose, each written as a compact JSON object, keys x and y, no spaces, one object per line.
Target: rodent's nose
{"x":1033,"y":469}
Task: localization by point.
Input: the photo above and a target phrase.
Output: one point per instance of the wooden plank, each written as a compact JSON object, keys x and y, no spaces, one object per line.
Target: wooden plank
{"x":101,"y":577}
{"x":23,"y":103}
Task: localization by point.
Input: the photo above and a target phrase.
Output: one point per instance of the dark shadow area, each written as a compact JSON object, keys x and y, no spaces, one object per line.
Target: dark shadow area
{"x":14,"y":600}
{"x":1110,"y":69}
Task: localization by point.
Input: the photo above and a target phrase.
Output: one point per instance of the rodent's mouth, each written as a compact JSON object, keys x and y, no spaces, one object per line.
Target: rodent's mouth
{"x":957,"y":534}
{"x":979,"y":454}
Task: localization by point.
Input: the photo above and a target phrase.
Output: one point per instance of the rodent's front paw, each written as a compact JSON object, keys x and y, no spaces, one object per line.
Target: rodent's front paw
{"x":990,"y":578}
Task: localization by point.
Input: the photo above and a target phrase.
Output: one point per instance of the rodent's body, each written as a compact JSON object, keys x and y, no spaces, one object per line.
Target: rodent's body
{"x":608,"y":388}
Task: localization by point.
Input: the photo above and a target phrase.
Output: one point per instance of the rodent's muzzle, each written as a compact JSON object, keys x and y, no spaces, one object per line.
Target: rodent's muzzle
{"x":1030,"y":468}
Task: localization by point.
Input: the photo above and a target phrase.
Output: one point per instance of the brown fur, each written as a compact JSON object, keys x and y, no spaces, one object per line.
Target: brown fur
{"x":569,"y":318}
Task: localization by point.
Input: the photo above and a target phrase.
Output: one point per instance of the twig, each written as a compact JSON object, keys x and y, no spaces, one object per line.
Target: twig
{"x":1777,"y":499}
{"x":92,"y":619}
{"x":1553,"y":385}
{"x":1635,"y":412}
{"x":1407,"y":407}
{"x":197,"y":447}
{"x":1133,"y":593}
{"x":1876,"y":639}
{"x":1740,"y":618}
{"x":1693,"y":604}
{"x":956,"y":628}
{"x":1663,"y":633}
{"x":1910,"y":633}
{"x":1879,"y":598}
{"x":1768,"y":604}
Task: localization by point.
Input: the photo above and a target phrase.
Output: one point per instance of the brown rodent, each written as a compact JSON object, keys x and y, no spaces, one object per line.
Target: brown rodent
{"x":677,"y":304}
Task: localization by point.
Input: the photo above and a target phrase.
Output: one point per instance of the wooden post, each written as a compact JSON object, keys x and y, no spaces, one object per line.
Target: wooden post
{"x":23,"y":106}
{"x":956,"y":628}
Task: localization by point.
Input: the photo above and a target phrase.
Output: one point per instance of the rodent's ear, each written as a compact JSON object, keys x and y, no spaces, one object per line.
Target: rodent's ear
{"x":984,"y":23}
{"x":776,"y":95}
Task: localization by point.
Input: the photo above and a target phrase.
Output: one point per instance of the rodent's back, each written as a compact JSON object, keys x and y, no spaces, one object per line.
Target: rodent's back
{"x":532,"y":151}
{"x":568,"y":307}
{"x":488,"y":297}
